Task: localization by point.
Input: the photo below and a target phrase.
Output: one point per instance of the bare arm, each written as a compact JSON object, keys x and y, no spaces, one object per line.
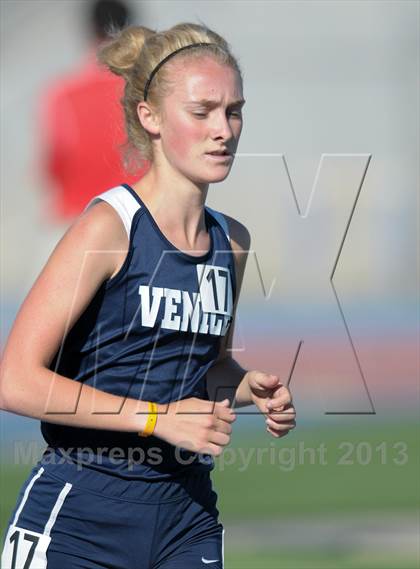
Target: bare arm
{"x":226,"y":378}
{"x":64,"y":288}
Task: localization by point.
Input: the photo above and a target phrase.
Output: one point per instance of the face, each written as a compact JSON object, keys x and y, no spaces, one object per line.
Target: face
{"x":201,"y":116}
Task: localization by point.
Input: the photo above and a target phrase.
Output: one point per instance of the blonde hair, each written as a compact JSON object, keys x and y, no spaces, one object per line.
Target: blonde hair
{"x":134,"y":52}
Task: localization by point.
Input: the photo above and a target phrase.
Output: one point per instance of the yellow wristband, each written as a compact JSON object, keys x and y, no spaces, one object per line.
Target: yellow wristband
{"x":151,"y":420}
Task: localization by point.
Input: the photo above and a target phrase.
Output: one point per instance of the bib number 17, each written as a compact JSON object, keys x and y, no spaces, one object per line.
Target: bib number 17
{"x":24,"y":549}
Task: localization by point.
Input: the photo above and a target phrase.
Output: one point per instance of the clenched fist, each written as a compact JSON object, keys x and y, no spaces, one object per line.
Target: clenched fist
{"x":274,"y":400}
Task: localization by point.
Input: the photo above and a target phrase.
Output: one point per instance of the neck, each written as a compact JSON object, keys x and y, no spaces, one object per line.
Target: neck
{"x":176,"y":203}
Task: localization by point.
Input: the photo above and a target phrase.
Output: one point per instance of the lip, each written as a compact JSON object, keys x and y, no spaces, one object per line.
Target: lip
{"x":219,"y":157}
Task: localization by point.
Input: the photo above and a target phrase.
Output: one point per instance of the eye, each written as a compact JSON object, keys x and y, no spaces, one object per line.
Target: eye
{"x":234,"y":113}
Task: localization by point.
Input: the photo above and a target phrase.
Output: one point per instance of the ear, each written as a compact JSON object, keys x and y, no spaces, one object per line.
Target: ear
{"x":148,"y":118}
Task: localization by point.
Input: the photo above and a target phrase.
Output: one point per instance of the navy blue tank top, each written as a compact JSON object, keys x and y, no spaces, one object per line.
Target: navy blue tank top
{"x":151,"y":332}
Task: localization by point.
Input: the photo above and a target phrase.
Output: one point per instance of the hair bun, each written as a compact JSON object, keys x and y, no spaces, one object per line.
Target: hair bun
{"x":121,"y":52}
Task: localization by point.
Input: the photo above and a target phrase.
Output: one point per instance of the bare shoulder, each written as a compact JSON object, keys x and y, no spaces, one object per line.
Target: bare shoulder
{"x":109,"y":226}
{"x":97,"y":229}
{"x":69,"y":280}
{"x":102,"y":220}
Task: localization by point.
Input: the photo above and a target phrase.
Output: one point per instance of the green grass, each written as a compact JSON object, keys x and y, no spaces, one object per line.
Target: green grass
{"x":276,"y":486}
{"x":316,"y":560}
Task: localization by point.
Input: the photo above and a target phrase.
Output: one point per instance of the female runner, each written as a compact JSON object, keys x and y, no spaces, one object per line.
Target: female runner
{"x":121,"y":348}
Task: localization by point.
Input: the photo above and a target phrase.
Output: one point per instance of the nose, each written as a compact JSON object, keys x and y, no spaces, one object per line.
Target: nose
{"x":221,"y":128}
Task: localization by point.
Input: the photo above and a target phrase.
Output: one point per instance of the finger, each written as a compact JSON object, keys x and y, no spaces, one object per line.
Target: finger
{"x":276,"y":434}
{"x":224,"y":413}
{"x":223,"y":427}
{"x":282,"y":419}
{"x":280,"y":410}
{"x":279,"y":403}
{"x":282,"y":416}
{"x":280,"y":426}
{"x":264,"y":381}
{"x":281,"y":390}
{"x":273,"y":433}
{"x":281,"y":398}
{"x":218,"y":438}
{"x":223,"y":406}
{"x":211,"y":448}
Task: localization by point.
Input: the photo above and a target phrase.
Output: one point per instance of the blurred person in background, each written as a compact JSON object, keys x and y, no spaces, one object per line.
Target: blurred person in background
{"x":81,"y":124}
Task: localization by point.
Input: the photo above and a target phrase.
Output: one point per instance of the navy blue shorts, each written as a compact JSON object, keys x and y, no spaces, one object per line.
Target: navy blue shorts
{"x":71,"y":518}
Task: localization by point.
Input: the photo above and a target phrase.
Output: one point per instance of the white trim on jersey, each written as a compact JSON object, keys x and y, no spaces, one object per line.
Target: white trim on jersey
{"x":122,"y":201}
{"x":126,"y":205}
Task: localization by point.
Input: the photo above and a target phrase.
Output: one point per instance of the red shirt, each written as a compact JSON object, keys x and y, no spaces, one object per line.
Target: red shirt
{"x":82,"y":122}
